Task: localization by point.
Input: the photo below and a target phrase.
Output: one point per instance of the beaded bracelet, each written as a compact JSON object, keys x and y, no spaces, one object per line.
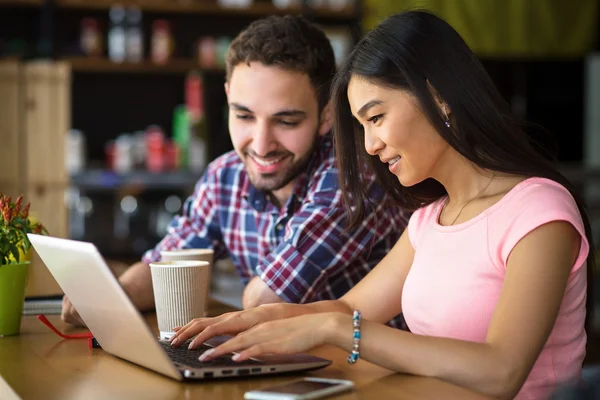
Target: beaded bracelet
{"x":353,"y":357}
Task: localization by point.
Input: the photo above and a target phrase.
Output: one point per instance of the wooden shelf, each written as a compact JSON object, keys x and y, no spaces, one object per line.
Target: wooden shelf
{"x":93,"y":64}
{"x":202,"y":7}
{"x":21,"y":3}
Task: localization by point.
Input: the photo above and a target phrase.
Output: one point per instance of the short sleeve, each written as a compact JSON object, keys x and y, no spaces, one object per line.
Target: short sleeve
{"x":535,"y":204}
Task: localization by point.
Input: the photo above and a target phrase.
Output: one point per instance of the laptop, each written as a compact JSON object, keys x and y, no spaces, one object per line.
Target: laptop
{"x":121,"y":330}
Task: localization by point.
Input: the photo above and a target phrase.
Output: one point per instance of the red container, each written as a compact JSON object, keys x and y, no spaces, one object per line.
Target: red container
{"x":155,"y":150}
{"x":171,"y":156}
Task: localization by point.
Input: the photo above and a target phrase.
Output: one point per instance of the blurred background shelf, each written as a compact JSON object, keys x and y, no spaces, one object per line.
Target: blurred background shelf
{"x":21,"y":3}
{"x":99,"y":179}
{"x":258,"y":9}
{"x":174,"y":66}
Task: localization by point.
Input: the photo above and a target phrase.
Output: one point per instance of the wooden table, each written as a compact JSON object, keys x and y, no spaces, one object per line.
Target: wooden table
{"x":37,"y":364}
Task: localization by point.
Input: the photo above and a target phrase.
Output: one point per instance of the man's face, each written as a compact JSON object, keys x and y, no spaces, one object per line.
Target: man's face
{"x":274,"y":123}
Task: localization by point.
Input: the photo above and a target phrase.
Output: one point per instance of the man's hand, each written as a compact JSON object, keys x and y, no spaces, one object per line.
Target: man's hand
{"x":69,"y":313}
{"x":137,"y":283}
{"x":257,"y":293}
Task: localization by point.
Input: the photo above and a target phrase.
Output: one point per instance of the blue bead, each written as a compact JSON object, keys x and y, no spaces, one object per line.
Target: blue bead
{"x":357,"y":335}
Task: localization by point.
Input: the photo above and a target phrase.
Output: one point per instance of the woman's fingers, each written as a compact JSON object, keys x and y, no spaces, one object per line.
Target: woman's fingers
{"x":206,"y":328}
{"x":273,"y":347}
{"x":191,"y":329}
{"x":240,"y":342}
{"x":195,"y":326}
{"x":288,"y":336}
{"x":228,"y":347}
{"x":235,"y":324}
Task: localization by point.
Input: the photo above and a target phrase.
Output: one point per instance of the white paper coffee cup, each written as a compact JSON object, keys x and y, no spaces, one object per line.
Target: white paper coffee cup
{"x":191,"y":255}
{"x":188,"y":255}
{"x":180,"y":292}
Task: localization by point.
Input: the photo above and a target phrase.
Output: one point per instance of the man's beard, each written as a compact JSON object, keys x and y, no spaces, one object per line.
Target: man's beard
{"x":279,"y":179}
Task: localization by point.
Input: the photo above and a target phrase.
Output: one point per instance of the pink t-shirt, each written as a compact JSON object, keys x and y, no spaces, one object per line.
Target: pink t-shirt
{"x":454,"y":283}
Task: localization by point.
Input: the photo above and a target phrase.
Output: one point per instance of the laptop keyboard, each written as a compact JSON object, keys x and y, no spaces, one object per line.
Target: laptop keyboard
{"x":185,"y":356}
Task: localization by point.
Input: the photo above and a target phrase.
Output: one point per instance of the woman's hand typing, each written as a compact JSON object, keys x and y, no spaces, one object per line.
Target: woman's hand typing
{"x":287,"y":336}
{"x":229,"y":323}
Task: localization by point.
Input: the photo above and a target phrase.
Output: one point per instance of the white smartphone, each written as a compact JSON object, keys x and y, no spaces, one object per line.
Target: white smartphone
{"x":301,"y":389}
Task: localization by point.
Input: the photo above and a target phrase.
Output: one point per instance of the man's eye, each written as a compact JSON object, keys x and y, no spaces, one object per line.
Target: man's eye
{"x":243,"y":116}
{"x":289,"y":123}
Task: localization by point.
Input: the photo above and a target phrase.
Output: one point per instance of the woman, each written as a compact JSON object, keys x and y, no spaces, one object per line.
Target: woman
{"x":489,"y":273}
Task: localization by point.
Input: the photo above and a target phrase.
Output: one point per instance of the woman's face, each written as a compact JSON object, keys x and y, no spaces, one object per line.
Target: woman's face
{"x":396,"y":130}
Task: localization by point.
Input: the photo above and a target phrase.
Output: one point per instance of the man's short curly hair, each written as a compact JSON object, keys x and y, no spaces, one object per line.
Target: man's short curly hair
{"x":289,"y":42}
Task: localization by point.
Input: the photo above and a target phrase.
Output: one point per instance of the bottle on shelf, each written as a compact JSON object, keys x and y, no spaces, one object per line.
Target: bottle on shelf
{"x":123,"y":156}
{"x":75,"y":151}
{"x":155,"y":145}
{"x":116,"y":34}
{"x":207,"y":52}
{"x":198,"y":130}
{"x":171,"y":156}
{"x":181,"y":134}
{"x":135,"y":36}
{"x":90,"y":40}
{"x":223,"y":44}
{"x":162,"y":41}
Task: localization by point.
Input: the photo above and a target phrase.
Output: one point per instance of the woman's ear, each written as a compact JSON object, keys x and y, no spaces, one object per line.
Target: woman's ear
{"x":442,"y":105}
{"x":445,"y":109}
{"x":326,"y":120}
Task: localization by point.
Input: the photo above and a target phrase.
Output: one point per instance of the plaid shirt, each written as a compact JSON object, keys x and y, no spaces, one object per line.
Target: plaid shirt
{"x":300,"y":250}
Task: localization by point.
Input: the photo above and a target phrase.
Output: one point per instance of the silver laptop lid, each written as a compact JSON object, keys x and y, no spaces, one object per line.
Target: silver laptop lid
{"x":103,"y":305}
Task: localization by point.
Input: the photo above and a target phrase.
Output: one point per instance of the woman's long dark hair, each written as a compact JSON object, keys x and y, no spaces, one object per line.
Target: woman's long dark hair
{"x":416,"y":51}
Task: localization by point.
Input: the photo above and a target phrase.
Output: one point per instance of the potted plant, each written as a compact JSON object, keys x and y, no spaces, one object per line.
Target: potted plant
{"x":15,"y":224}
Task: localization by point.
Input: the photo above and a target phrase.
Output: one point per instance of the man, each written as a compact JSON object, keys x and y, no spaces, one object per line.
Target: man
{"x":273,"y":204}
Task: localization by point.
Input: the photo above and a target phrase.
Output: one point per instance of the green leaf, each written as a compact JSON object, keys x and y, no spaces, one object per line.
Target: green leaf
{"x":15,"y":252}
{"x":25,"y":244}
